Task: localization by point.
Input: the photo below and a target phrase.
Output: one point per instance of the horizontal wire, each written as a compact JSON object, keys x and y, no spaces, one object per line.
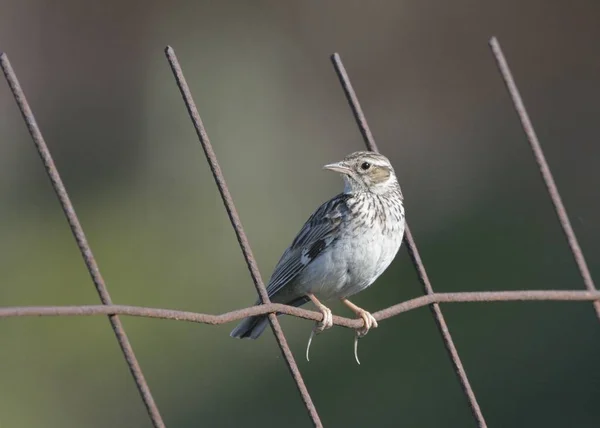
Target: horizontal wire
{"x":272,"y":308}
{"x":408,"y":305}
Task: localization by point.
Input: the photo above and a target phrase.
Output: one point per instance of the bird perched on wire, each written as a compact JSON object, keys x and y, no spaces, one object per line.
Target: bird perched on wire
{"x":343,"y":247}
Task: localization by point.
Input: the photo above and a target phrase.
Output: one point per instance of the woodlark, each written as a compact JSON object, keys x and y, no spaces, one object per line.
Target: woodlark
{"x":343,"y":247}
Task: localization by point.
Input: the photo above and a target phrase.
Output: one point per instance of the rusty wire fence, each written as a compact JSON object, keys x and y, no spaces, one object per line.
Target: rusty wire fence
{"x":430,"y":298}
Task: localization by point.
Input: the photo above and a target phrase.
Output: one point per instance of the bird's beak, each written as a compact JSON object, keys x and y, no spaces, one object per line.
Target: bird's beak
{"x":340,"y":167}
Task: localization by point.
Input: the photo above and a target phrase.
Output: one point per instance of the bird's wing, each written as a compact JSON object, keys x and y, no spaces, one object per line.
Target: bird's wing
{"x":317,"y":234}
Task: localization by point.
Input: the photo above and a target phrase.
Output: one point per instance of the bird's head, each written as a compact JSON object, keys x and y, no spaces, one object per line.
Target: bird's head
{"x":366,"y":172}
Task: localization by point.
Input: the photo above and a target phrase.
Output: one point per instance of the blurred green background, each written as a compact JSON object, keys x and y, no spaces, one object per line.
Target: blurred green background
{"x":104,"y":96}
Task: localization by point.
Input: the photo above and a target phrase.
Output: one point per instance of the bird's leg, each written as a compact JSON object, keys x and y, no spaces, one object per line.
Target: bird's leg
{"x":325,"y":323}
{"x":369,"y":322}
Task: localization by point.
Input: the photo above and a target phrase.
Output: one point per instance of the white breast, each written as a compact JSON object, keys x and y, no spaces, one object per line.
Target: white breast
{"x":371,"y":256}
{"x":362,"y":250}
{"x":353,"y":263}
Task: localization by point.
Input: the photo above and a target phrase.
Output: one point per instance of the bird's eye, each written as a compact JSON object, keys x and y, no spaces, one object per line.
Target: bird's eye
{"x":365,"y":166}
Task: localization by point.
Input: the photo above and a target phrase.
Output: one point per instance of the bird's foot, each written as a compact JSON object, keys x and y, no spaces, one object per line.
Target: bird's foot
{"x":327,"y":321}
{"x":324,"y":324}
{"x":369,"y":322}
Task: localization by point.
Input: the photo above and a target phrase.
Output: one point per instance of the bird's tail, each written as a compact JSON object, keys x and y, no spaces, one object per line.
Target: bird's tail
{"x":251,"y":327}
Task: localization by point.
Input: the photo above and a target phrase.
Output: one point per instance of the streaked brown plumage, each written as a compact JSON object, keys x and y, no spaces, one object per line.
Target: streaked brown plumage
{"x":345,"y":245}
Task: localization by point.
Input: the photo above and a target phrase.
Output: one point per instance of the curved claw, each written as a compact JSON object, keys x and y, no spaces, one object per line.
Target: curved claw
{"x":356,"y":337}
{"x":369,"y":323}
{"x":325,"y":323}
{"x":312,"y":334}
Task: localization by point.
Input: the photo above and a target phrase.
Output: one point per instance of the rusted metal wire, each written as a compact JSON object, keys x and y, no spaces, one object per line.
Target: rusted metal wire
{"x":430,"y":298}
{"x":538,"y":153}
{"x":239,"y":232}
{"x":271,"y":308}
{"x":82,"y":243}
{"x":412,"y":249}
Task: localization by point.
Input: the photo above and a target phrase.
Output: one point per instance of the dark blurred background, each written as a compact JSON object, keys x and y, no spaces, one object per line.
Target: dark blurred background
{"x":104,"y":96}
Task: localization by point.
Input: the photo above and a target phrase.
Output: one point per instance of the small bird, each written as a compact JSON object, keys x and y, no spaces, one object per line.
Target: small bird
{"x":343,"y":247}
